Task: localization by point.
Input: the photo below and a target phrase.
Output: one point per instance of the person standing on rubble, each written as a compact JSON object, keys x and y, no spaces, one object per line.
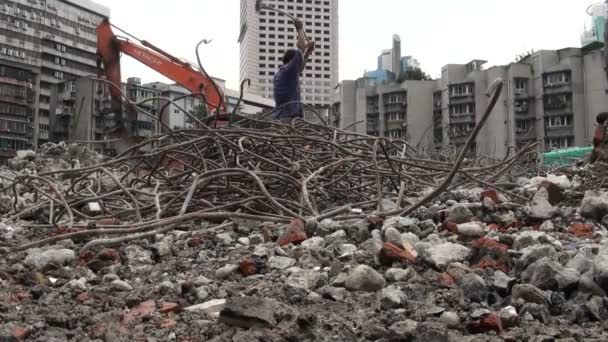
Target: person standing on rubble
{"x":599,"y":137}
{"x":286,"y":80}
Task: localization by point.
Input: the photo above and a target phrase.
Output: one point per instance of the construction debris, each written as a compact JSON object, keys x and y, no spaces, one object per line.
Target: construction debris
{"x":270,"y":232}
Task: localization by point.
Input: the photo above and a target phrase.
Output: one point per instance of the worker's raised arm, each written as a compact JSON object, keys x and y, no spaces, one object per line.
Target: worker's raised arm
{"x":302,"y":42}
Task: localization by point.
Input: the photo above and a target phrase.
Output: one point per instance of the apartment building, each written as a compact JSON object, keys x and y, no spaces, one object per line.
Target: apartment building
{"x":396,"y":111}
{"x":17,"y":107}
{"x":550,"y":97}
{"x":264,"y":37}
{"x":78,"y":108}
{"x":49,"y":41}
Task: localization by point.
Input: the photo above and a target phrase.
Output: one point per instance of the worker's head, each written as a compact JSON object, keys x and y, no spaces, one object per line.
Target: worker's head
{"x":601,"y":118}
{"x":288,"y":56}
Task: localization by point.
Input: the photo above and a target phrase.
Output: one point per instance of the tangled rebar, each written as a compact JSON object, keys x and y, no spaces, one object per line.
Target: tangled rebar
{"x":256,"y":170}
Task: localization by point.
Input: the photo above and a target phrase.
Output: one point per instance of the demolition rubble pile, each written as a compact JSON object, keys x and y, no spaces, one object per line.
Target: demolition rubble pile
{"x":269,"y":232}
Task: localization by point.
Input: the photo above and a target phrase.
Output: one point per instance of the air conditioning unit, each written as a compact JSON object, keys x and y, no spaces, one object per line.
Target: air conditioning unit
{"x":518,"y":109}
{"x":518,"y":91}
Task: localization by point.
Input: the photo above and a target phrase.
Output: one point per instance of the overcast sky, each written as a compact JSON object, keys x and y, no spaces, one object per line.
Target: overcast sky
{"x":435,"y":32}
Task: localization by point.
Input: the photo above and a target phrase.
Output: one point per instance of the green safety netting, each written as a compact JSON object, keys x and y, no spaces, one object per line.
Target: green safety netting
{"x":566,"y":156}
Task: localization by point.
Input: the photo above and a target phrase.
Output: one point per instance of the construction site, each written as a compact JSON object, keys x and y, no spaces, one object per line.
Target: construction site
{"x":122,"y":225}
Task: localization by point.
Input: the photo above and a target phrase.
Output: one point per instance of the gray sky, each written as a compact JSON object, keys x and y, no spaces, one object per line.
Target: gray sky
{"x":435,"y":32}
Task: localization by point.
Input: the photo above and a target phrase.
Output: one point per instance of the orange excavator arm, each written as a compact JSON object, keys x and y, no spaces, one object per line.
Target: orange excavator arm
{"x":109,"y":47}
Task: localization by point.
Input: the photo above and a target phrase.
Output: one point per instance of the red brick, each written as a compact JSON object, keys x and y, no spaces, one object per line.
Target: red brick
{"x":375,"y":222}
{"x":295,"y":233}
{"x":495,"y":264}
{"x":489,"y":244}
{"x":488,"y":323}
{"x":21,"y":333}
{"x":247,"y":268}
{"x":168,"y":323}
{"x":139,"y":311}
{"x":83,"y":297}
{"x":167,"y":307}
{"x":488,"y":253}
{"x":390,"y":253}
{"x":195,"y":241}
{"x":109,"y":254}
{"x":450,"y":227}
{"x":491,"y":194}
{"x":446,"y":280}
{"x":580,"y":230}
{"x":86,"y":255}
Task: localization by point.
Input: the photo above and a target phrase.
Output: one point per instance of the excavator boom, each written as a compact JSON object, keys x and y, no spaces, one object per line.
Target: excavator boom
{"x":109,"y":47}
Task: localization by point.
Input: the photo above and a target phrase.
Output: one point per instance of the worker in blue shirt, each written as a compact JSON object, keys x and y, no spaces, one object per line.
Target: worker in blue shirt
{"x":287,"y":79}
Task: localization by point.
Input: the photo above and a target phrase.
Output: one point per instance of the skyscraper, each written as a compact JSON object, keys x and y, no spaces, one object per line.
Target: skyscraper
{"x":265,"y":36}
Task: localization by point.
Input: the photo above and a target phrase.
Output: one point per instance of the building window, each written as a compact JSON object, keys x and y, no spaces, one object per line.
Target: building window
{"x":396,"y":117}
{"x":522,"y":125}
{"x":396,"y":134}
{"x":559,"y":121}
{"x":461,"y":89}
{"x":560,"y":142}
{"x":464,"y":108}
{"x":556,"y":78}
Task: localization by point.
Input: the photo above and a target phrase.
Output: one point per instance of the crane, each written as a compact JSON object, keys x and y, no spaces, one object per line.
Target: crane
{"x":197,"y":81}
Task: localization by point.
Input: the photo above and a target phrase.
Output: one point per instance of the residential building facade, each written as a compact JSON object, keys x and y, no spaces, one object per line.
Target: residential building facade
{"x":397,"y":111}
{"x":43,"y":43}
{"x":78,"y":108}
{"x":550,"y":97}
{"x":17,"y":108}
{"x":265,"y":36}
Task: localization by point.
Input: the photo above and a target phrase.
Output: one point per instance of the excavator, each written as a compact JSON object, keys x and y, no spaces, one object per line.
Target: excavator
{"x":196,"y":80}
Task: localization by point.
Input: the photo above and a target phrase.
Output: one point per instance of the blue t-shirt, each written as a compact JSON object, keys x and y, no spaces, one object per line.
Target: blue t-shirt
{"x":287,"y":88}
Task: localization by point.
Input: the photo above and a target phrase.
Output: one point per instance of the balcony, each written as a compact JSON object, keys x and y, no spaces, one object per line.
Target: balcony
{"x":521,"y":93}
{"x":437,"y":106}
{"x":437,"y":121}
{"x":68,"y":96}
{"x":395,"y":106}
{"x":521,"y":109}
{"x":373,"y":110}
{"x":64,"y":111}
{"x":460,"y":139}
{"x":526,"y":132}
{"x":14,"y":99}
{"x":462,"y":118}
{"x":461,"y":95}
{"x":557,"y":84}
{"x":558,"y":88}
{"x":558,"y":130}
{"x":556,"y":105}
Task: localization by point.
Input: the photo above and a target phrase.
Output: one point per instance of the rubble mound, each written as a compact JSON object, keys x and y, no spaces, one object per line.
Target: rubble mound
{"x":53,"y":157}
{"x":300,"y":233}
